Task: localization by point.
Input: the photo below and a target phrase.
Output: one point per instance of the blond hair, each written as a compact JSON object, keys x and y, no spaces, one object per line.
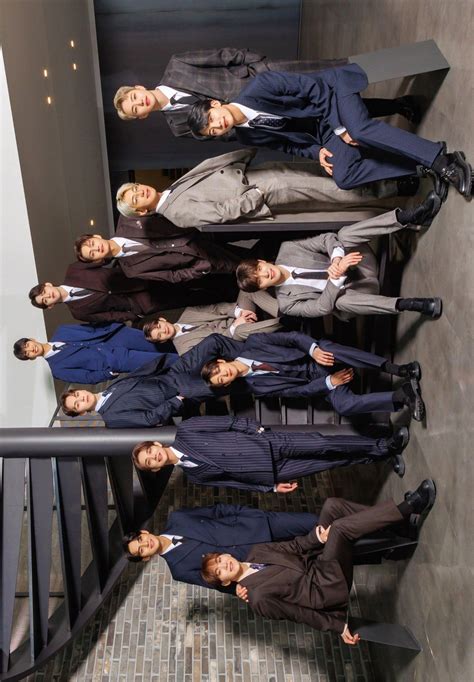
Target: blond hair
{"x":122,"y":206}
{"x":118,"y":99}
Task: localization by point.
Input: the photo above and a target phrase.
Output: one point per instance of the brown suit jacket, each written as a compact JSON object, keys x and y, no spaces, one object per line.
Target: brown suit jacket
{"x":299,"y":585}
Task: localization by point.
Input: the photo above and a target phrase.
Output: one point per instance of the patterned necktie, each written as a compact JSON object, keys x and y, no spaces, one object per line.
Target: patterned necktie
{"x":312,"y":274}
{"x":185,"y":459}
{"x":269,"y":122}
{"x":258,"y":567}
{"x":80,"y":292}
{"x":189,"y":99}
{"x":55,"y":347}
{"x":188,"y":328}
{"x":262,"y":367}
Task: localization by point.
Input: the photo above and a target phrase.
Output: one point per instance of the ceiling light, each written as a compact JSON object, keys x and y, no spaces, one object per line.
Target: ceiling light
{"x":74,"y":66}
{"x":45,"y":73}
{"x":72,"y":43}
{"x":49,"y":100}
{"x":91,"y":222}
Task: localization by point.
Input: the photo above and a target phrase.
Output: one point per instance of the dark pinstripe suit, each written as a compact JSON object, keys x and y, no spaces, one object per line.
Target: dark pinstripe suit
{"x":231,"y":452}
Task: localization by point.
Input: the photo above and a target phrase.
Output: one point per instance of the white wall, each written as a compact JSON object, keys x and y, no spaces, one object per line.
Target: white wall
{"x":27,"y":396}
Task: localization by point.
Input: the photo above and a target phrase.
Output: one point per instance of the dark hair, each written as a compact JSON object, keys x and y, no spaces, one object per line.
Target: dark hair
{"x":19,"y":350}
{"x":130,"y":537}
{"x":62,"y":402}
{"x":136,"y":451}
{"x":206,"y":572}
{"x":148,"y":327}
{"x":209,"y":370}
{"x":246,"y":274}
{"x":78,"y":244}
{"x":198,"y":118}
{"x":38,"y":290}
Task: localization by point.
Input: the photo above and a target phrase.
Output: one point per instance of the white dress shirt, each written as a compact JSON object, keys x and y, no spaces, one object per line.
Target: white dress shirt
{"x":122,"y":241}
{"x":171,"y":538}
{"x":102,"y":400}
{"x":72,"y":290}
{"x":52,"y":352}
{"x":251,"y":114}
{"x":186,"y":464}
{"x":164,"y":195}
{"x":171,"y":92}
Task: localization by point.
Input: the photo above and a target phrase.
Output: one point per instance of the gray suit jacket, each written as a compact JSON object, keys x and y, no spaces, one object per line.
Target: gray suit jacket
{"x":218,"y":318}
{"x":215,"y":191}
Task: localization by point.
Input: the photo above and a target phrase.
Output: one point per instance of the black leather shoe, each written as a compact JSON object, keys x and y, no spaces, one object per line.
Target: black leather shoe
{"x":423,"y":498}
{"x":422,"y":214}
{"x":455,"y":170}
{"x":398,"y":465}
{"x":414,"y":400}
{"x":398,"y":441}
{"x":408,"y":186}
{"x":411,"y":370}
{"x":409,"y":108}
{"x":433,"y":307}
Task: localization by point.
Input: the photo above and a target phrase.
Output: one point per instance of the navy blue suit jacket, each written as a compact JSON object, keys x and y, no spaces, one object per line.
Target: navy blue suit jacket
{"x":148,"y":397}
{"x":299,"y":96}
{"x":226,"y":528}
{"x":82,"y":364}
{"x":286,"y":351}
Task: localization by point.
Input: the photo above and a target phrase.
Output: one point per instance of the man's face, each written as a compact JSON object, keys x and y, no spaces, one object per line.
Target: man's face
{"x":80,"y":401}
{"x":268,"y":274}
{"x":224,"y":374}
{"x":139,"y":102}
{"x":162,"y":331}
{"x":219,"y":120}
{"x":225,"y":568}
{"x":153,"y":457}
{"x":141,"y":198}
{"x":33,"y":349}
{"x":50,"y":296}
{"x":96,"y":248}
{"x":145,"y":546}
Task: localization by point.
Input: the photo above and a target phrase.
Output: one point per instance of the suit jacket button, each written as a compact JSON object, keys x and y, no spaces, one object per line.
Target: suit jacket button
{"x":222,"y":171}
{"x":109,"y":292}
{"x":172,"y":244}
{"x":239,"y":171}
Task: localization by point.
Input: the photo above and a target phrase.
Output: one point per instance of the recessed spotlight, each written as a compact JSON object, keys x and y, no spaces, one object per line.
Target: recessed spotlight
{"x":49,"y":100}
{"x":45,"y":73}
{"x":91,"y":222}
{"x":72,"y":43}
{"x":74,"y":67}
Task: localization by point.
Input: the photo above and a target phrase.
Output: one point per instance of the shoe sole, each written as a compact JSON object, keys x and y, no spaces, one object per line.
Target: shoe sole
{"x":431,"y":498}
{"x":417,"y":413}
{"x":437,"y":309}
{"x":416,"y":371}
{"x":466,"y":188}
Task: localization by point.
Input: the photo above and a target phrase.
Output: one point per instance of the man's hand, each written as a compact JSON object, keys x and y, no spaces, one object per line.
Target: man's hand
{"x":242,"y":592}
{"x":348,"y":638}
{"x":323,"y":357}
{"x":244,"y":320}
{"x":323,"y":534}
{"x":248,"y":315}
{"x":286,"y":487}
{"x":345,"y":137}
{"x":346,"y":262}
{"x":324,"y":155}
{"x":342,"y":377}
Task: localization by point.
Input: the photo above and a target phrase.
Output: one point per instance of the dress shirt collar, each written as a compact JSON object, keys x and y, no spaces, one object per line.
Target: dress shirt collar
{"x":52,"y":352}
{"x":169,"y":93}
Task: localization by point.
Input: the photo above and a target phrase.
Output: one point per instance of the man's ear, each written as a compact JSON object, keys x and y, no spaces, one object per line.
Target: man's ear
{"x":226,"y":584}
{"x":99,"y":236}
{"x":215,"y":104}
{"x":146,"y":558}
{"x":139,"y":87}
{"x":141,"y":211}
{"x":156,"y":442}
{"x":50,"y":306}
{"x":221,"y":361}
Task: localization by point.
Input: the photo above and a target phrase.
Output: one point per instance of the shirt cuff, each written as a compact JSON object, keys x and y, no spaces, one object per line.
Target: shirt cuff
{"x":338,"y":131}
{"x":339,"y":282}
{"x":313,"y":348}
{"x":232,"y":329}
{"x":237,"y":311}
{"x":318,"y":535}
{"x":275,"y":489}
{"x":329,"y":384}
{"x":338,"y":252}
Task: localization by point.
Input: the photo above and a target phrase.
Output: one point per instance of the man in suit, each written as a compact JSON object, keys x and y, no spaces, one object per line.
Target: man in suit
{"x":321,"y":116}
{"x":294,"y":365}
{"x":223,"y":189}
{"x":308,"y":579}
{"x":86,"y":354}
{"x":100,"y":294}
{"x":324,"y":274}
{"x":148,"y":397}
{"x":191,"y":533}
{"x":236,"y":320}
{"x":190,"y":76}
{"x":174,"y":259}
{"x":236,"y":452}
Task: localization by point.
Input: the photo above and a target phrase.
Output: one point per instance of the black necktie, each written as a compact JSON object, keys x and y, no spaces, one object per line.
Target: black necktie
{"x":312,"y":274}
{"x":55,"y":347}
{"x":176,"y":541}
{"x":134,"y":248}
{"x":263,"y":367}
{"x":269,"y":122}
{"x":189,"y":99}
{"x":80,"y":292}
{"x":188,"y":328}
